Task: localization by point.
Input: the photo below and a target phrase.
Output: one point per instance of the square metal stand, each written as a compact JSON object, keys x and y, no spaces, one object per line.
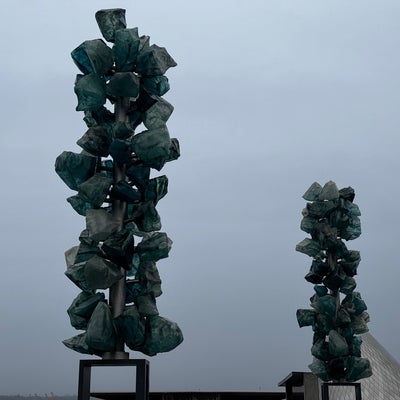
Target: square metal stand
{"x":356,"y":386}
{"x":142,"y":376}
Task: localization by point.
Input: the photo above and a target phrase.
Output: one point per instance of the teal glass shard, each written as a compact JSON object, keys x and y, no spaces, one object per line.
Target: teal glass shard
{"x":329,"y":192}
{"x":154,"y":247}
{"x":336,"y":369}
{"x":308,"y":224}
{"x":82,"y":308}
{"x":154,"y":60}
{"x":145,"y":216}
{"x":78,"y":343}
{"x":144,"y":43}
{"x":122,"y":190}
{"x":95,"y":189}
{"x":100,"y":273}
{"x":343,"y":317}
{"x":126,"y":48}
{"x":350,"y":262}
{"x":146,"y":305}
{"x":320,"y":350}
{"x":325,"y":305}
{"x":174,"y":150}
{"x":123,"y":84}
{"x":347,"y":193}
{"x":152,"y":147}
{"x":119,"y":248}
{"x":131,"y":327}
{"x":313,"y":192}
{"x":76,"y":273}
{"x":348,"y":285}
{"x":139,"y":175}
{"x":86,"y":238}
{"x":96,"y":141}
{"x":122,"y":130}
{"x":149,"y":278}
{"x":337,"y":344}
{"x":120,"y":151}
{"x":100,"y":224}
{"x":70,"y":256}
{"x":356,"y":300}
{"x":305,"y":317}
{"x":323,"y":324}
{"x":334,"y":280}
{"x":157,"y":115}
{"x":355,"y":346}
{"x":317,"y":272}
{"x":352,"y":209}
{"x":91,"y":92}
{"x":156,"y":189}
{"x":319,"y":209}
{"x":74,"y":168}
{"x":353,"y":231}
{"x":162,"y":335}
{"x":86,"y":252}
{"x":93,"y":56}
{"x":157,"y":85}
{"x":357,"y":368}
{"x":318,"y":367}
{"x":79,"y":205}
{"x":100,"y":334}
{"x":309,"y":247}
{"x":110,"y":21}
{"x":320,"y":290}
{"x":359,"y":323}
{"x":102,"y":116}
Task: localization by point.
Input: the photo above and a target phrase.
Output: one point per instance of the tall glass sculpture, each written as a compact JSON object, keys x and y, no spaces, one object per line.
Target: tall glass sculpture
{"x":119,"y":89}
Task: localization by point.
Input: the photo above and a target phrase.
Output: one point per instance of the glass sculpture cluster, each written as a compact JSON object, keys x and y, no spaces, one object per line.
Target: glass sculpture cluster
{"x":338,"y":312}
{"x":115,"y":192}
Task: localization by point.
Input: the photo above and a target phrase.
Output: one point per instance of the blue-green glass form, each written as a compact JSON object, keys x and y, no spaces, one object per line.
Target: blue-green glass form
{"x":112,"y":173}
{"x":338,"y":313}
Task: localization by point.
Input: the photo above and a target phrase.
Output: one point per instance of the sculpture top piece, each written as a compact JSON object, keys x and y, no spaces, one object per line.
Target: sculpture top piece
{"x":331,"y":217}
{"x":116,"y":194}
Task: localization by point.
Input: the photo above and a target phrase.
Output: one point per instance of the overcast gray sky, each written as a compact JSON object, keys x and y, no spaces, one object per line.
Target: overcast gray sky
{"x":269,"y":97}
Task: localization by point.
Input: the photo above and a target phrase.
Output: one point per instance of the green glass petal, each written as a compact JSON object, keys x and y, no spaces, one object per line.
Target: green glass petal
{"x":74,"y":168}
{"x":96,"y":141}
{"x":95,"y":189}
{"x":119,"y":248}
{"x":162,"y":335}
{"x":100,"y":224}
{"x":126,"y":49}
{"x":146,"y":305}
{"x":145,"y":216}
{"x":154,"y":246}
{"x":337,"y":344}
{"x":305,"y":317}
{"x":93,"y":56}
{"x":123,"y":84}
{"x":320,"y":350}
{"x":156,"y":189}
{"x":154,"y":60}
{"x":174,"y":150}
{"x":78,"y":343}
{"x":110,"y":21}
{"x":357,"y":368}
{"x":139,"y":175}
{"x":91,"y":92}
{"x":100,"y":273}
{"x":157,"y":115}
{"x":309,"y":247}
{"x":329,"y":192}
{"x":100,"y":334}
{"x":122,"y":190}
{"x":131,"y":326}
{"x":157,"y":85}
{"x":348,"y":285}
{"x":82,"y":308}
{"x":79,"y":205}
{"x":313,"y":192}
{"x":149,"y":278}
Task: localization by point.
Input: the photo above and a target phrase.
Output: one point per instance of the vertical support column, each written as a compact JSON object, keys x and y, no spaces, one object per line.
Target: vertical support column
{"x":311,"y":387}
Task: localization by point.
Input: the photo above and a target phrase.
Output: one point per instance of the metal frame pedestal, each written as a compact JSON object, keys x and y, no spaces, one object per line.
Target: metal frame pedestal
{"x":142,"y":376}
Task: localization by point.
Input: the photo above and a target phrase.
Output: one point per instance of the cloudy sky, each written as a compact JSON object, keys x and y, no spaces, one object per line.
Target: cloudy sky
{"x":269,"y":96}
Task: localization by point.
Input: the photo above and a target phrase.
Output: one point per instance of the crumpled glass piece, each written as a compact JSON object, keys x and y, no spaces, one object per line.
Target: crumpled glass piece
{"x":357,"y":368}
{"x":85,"y":252}
{"x":123,"y":84}
{"x":313,"y":192}
{"x":355,"y":346}
{"x":317,"y":272}
{"x":100,"y":273}
{"x":318,"y":368}
{"x":320,"y":349}
{"x":91,"y":92}
{"x":122,"y":190}
{"x":120,"y":151}
{"x":319,"y":209}
{"x":122,"y":130}
{"x":76,"y":273}
{"x":102,"y":116}
{"x":158,"y":114}
{"x":343,"y":317}
{"x":162,"y":335}
{"x":353,"y":230}
{"x":154,"y":60}
{"x":174,"y":150}
{"x":145,"y":216}
{"x":347,"y":193}
{"x":323,"y":324}
{"x":119,"y":248}
{"x":154,"y":246}
{"x":146,"y":305}
{"x":79,"y":205}
{"x":348,"y":285}
{"x":325,"y":305}
{"x":352,"y":208}
{"x":309,"y":247}
{"x":139,"y":175}
{"x":95,"y":189}
{"x":359,"y":323}
{"x":308,"y":224}
{"x":70,"y":256}
{"x":93,"y":56}
{"x":100,"y":224}
{"x":152,"y":147}
{"x":149,"y":278}
{"x":334,"y":280}
{"x":78,"y":343}
{"x":337,"y":344}
{"x":74,"y":168}
{"x":305,"y":317}
{"x":126,"y":48}
{"x":329,"y":191}
{"x":156,"y":189}
{"x":157,"y":85}
{"x":131,"y":326}
{"x":96,"y":141}
{"x":100,"y":334}
{"x":356,"y":300}
{"x":350,"y":262}
{"x":110,"y":21}
{"x":336,"y":369}
{"x":82,"y":308}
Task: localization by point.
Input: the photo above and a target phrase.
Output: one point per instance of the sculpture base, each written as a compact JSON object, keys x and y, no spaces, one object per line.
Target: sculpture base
{"x":142,"y":375}
{"x":115,"y":355}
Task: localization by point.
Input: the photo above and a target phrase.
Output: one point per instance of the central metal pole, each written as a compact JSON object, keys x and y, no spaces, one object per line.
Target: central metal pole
{"x":118,"y":290}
